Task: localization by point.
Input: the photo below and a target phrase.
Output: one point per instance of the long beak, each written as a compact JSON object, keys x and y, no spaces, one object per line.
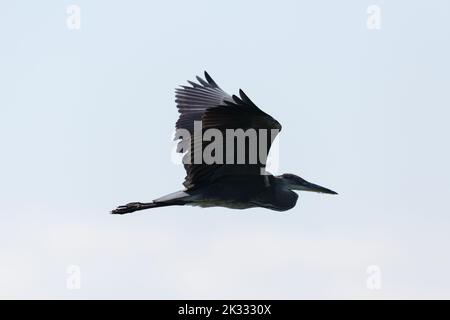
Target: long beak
{"x":308,"y":186}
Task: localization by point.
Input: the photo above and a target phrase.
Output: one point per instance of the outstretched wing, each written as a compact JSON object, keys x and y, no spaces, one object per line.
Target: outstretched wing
{"x":205,"y":101}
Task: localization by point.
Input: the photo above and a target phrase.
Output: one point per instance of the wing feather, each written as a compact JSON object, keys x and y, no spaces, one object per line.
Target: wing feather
{"x":205,"y":101}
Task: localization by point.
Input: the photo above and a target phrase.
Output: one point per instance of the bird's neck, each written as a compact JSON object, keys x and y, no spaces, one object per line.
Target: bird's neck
{"x":281,"y":183}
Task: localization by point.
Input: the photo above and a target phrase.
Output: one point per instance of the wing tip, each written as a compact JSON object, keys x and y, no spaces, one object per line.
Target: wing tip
{"x":245,"y":98}
{"x":210,"y":80}
{"x":209,"y":83}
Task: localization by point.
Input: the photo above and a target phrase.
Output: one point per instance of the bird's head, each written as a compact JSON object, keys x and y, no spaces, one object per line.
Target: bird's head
{"x":293,"y":182}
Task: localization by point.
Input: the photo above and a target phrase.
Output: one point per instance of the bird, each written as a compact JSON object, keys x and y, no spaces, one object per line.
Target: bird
{"x":230,"y":184}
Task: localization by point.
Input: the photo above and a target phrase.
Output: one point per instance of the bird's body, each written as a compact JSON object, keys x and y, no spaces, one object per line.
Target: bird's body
{"x":260,"y":191}
{"x":228,"y":181}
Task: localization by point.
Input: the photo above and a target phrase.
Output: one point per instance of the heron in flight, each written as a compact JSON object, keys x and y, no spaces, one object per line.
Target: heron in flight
{"x":230,"y":184}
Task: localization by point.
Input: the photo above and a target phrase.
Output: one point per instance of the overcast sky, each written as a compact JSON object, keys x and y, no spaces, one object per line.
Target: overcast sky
{"x":86,"y":121}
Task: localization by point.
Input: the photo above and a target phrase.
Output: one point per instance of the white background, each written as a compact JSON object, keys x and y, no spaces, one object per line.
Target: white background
{"x":86,"y":119}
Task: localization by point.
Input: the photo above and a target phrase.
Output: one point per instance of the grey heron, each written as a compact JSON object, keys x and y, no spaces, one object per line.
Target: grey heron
{"x":230,"y":184}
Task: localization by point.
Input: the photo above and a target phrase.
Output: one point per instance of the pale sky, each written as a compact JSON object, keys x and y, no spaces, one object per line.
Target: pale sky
{"x":87,"y":116}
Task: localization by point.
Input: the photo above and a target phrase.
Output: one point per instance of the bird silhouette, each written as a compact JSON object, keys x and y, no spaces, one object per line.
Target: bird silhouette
{"x":234,"y":178}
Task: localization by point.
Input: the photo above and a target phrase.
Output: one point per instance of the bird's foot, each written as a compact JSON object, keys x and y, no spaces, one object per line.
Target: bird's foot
{"x":130,"y":207}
